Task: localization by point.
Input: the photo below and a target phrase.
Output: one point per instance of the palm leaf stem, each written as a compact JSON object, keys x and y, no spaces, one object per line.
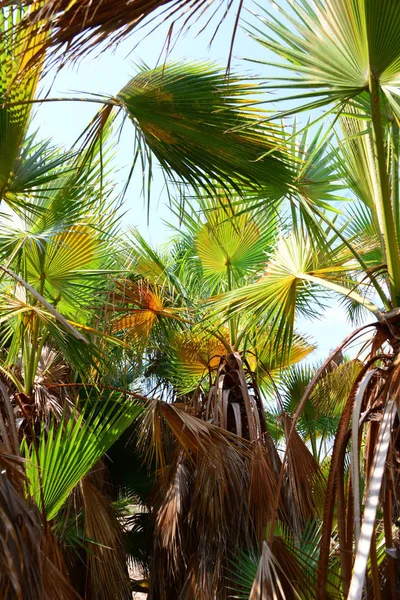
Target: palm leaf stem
{"x":355,"y":452}
{"x":241,"y":335}
{"x":35,"y":352}
{"x":395,"y":174}
{"x":344,"y":291}
{"x":38,"y":355}
{"x":367,"y":529}
{"x":383,"y":201}
{"x":11,"y":257}
{"x":99,"y":100}
{"x":344,"y":550}
{"x":105,"y":387}
{"x":232,"y":323}
{"x":31,"y":359}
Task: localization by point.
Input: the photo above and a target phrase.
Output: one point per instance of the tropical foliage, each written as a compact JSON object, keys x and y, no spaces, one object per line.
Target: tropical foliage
{"x":158,"y":406}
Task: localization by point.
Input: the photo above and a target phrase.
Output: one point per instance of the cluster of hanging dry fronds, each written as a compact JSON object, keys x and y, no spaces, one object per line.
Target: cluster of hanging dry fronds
{"x":223,"y":488}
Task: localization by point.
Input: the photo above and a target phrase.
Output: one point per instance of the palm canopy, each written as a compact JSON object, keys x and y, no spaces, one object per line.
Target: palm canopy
{"x":56,"y":254}
{"x":211,"y":316}
{"x":162,"y":307}
{"x":346,"y":53}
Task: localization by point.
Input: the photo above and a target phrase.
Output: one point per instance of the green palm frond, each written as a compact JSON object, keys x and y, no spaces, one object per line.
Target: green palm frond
{"x":146,"y":262}
{"x":67,"y":452}
{"x":346,"y":53}
{"x":362,"y":232}
{"x":317,"y":178}
{"x":296,"y":277}
{"x":38,"y":167}
{"x":355,"y":158}
{"x":232,"y":247}
{"x":333,"y":47}
{"x":17,"y":87}
{"x":60,"y":240}
{"x":197,"y":124}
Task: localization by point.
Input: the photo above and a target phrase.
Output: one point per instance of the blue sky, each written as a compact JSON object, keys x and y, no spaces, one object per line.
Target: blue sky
{"x":107,"y":73}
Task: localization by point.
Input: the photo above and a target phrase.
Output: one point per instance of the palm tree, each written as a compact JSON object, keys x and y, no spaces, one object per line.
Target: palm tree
{"x":213,"y":379}
{"x":344,"y":56}
{"x":56,"y":246}
{"x":341,"y":58}
{"x":57,"y":227}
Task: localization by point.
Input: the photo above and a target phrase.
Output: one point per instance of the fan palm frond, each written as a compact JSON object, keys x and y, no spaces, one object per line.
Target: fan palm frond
{"x":192,"y":106}
{"x":66,"y":454}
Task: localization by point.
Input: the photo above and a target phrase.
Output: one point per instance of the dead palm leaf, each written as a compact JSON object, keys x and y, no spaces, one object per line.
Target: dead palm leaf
{"x":82,"y":26}
{"x":21,"y":569}
{"x":107,"y":573}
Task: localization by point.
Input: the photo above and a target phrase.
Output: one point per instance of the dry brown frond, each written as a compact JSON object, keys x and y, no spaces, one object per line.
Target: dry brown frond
{"x":172,"y":499}
{"x":107,"y":573}
{"x":21,"y":574}
{"x":56,"y":581}
{"x":199,"y":437}
{"x":262,"y":488}
{"x":267,"y":584}
{"x":172,"y":511}
{"x":306,"y":480}
{"x":283,"y":574}
{"x":198,"y":498}
{"x":80,"y":26}
{"x":230,"y":403}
